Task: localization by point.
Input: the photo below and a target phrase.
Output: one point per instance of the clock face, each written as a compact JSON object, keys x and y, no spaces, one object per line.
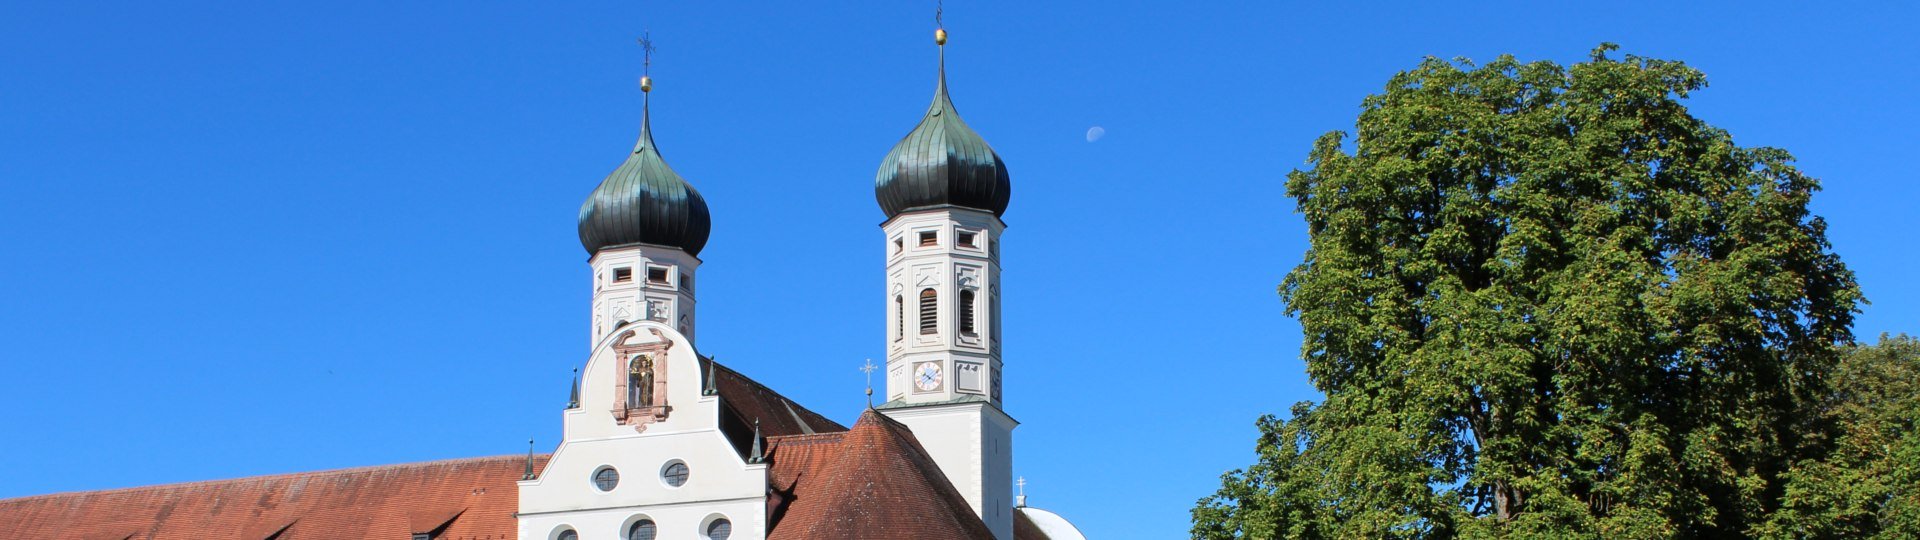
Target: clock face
{"x":927,"y":376}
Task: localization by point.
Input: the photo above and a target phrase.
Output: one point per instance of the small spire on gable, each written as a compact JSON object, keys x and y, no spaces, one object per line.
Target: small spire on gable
{"x":758,"y":455}
{"x":529,"y":474}
{"x":573,"y":397}
{"x":710,"y":388}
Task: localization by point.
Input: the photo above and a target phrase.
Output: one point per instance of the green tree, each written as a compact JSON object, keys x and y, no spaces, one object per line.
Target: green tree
{"x":1546,"y":301}
{"x":1869,"y":487}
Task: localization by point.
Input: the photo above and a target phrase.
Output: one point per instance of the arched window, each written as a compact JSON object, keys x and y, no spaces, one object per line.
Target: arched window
{"x":643,"y":530}
{"x":966,"y":312}
{"x":929,"y":312}
{"x":899,"y":317}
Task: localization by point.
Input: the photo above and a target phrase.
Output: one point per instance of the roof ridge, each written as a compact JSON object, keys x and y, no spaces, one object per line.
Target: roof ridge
{"x":306,"y":474}
{"x":807,"y":438}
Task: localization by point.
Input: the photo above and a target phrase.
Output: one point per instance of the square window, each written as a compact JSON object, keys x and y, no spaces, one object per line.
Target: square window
{"x":929,"y":238}
{"x":968,"y":239}
{"x":686,"y":282}
{"x":622,"y":275}
{"x":656,"y":274}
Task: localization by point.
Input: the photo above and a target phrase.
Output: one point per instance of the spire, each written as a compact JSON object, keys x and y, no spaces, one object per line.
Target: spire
{"x":529,"y":474}
{"x":710,"y":388}
{"x":758,"y":455}
{"x":646,"y":95}
{"x":573,"y":398}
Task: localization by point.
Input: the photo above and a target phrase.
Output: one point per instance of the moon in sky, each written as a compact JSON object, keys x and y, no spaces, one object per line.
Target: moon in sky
{"x":1095,"y":133}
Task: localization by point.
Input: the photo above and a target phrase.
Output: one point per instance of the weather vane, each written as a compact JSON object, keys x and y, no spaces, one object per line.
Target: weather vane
{"x":868,"y":369}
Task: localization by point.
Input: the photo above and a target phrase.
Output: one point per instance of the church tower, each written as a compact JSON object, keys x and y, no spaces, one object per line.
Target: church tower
{"x":643,"y":228}
{"x":943,"y":190}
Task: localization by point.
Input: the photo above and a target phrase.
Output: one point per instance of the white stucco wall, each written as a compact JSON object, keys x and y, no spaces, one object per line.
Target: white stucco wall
{"x":637,"y":299}
{"x":719,"y":483}
{"x":969,"y":363}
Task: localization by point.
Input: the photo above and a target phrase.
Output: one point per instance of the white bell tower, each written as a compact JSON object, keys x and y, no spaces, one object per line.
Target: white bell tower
{"x":943,"y":190}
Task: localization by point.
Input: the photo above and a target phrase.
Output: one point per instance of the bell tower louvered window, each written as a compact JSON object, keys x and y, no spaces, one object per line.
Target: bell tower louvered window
{"x":899,"y":317}
{"x":966,"y":312}
{"x":929,"y":312}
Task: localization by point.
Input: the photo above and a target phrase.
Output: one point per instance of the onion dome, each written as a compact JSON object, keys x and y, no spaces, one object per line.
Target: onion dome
{"x":942,"y":162}
{"x":645,"y":202}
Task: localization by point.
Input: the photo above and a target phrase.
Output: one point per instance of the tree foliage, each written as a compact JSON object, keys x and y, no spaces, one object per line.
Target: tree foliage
{"x":1869,"y":487}
{"x":1546,"y":301}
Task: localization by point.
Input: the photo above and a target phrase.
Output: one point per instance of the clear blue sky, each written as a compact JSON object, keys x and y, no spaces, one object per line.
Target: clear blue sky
{"x":259,"y":238}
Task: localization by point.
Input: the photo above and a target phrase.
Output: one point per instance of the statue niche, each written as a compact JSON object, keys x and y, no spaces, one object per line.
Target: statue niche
{"x":640,"y":381}
{"x":640,"y":397}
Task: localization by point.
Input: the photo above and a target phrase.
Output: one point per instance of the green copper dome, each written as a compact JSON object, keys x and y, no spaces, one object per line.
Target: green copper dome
{"x":942,"y":162}
{"x":645,"y":202}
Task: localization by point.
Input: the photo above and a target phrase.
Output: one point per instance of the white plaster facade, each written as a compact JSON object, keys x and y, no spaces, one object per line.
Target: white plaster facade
{"x":642,"y":282}
{"x":720,"y":484}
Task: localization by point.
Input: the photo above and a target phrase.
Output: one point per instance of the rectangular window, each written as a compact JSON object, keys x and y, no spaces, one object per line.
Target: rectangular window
{"x":968,"y":239}
{"x":656,"y":274}
{"x":622,"y":275}
{"x":899,"y":245}
{"x":929,"y":238}
{"x":686,"y":282}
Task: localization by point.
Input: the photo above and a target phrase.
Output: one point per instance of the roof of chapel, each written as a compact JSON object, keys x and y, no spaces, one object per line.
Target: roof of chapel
{"x":457,"y":499}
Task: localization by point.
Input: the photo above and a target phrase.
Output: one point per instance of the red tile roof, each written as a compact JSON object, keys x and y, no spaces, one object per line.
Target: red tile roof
{"x":873,"y":481}
{"x":826,"y":482}
{"x":471,"y":499}
{"x":744,"y":401}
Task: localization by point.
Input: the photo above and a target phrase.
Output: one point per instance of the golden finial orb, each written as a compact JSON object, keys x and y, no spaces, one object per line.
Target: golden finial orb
{"x":646,"y":83}
{"x":940,"y":36}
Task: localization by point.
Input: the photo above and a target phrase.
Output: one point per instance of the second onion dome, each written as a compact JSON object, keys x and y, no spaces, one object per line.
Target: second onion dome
{"x":645,"y":202}
{"x":942,"y":162}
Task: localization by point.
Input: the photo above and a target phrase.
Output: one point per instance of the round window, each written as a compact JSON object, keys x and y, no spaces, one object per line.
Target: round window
{"x":643,"y":530}
{"x":568,"y":535}
{"x":720,"y":529}
{"x":674,"y":474}
{"x":605,"y":478}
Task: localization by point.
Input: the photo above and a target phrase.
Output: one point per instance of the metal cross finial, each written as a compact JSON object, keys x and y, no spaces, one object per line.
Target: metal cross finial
{"x":646,"y":51}
{"x":1023,"y":486}
{"x":939,"y":8}
{"x":868,"y":369}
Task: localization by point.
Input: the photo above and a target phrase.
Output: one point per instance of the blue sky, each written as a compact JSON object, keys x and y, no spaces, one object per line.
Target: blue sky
{"x":262,"y":238}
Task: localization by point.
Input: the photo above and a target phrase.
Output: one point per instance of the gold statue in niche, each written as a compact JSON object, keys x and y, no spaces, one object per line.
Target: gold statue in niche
{"x":640,"y":382}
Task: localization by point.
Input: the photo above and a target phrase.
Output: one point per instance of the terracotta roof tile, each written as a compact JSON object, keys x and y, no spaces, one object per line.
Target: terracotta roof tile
{"x":471,"y":499}
{"x":873,"y":481}
{"x":744,"y":401}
